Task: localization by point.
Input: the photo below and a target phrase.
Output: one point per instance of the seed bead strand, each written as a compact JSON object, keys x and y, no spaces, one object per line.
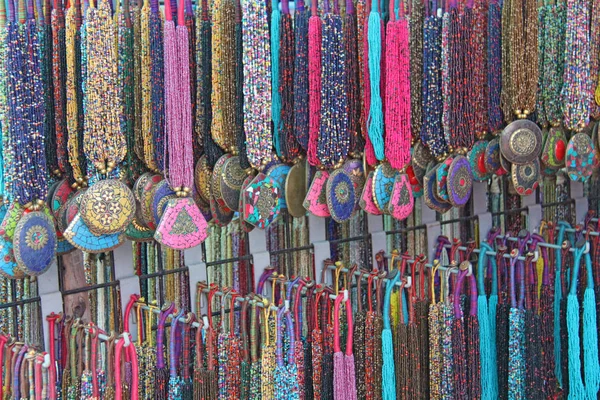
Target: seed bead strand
{"x":136,"y":16}
{"x":5,"y":155}
{"x":478,"y":69}
{"x":73,"y":52}
{"x":416,"y":21}
{"x":155,"y":29}
{"x":506,"y":93}
{"x":554,"y":42}
{"x":146,"y":87}
{"x":223,"y":74}
{"x":494,"y":65}
{"x":353,"y":75}
{"x":333,"y":142}
{"x":432,"y":134}
{"x":257,"y":82}
{"x":594,"y":32}
{"x":540,"y":109}
{"x":577,"y":84}
{"x":59,"y":71}
{"x":301,"y":97}
{"x":45,"y":40}
{"x":104,"y":142}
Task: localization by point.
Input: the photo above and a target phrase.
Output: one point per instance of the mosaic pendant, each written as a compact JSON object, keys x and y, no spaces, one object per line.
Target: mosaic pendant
{"x":182,"y":226}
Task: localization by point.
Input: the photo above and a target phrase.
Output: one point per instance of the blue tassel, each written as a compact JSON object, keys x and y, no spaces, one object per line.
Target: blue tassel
{"x":375,"y":121}
{"x":388,"y":373}
{"x":275,"y":96}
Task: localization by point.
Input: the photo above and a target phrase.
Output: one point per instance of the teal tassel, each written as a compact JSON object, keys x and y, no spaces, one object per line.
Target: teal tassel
{"x":275,"y":96}
{"x":576,"y":389}
{"x":493,"y":306}
{"x":376,"y":110}
{"x":388,"y":373}
{"x":590,"y":344}
{"x":484,"y":347}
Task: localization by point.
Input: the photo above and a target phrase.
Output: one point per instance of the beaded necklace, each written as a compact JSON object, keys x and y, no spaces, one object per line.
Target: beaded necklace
{"x":315,"y":33}
{"x":104,"y":142}
{"x":26,"y":109}
{"x":334,"y":141}
{"x":276,"y":103}
{"x":204,"y":63}
{"x":146,"y":87}
{"x":397,"y":111}
{"x":157,"y":94}
{"x":522,"y":49}
{"x":59,"y":71}
{"x":223,"y":74}
{"x":416,"y":21}
{"x":126,"y":85}
{"x":73,"y":94}
{"x":477,"y":93}
{"x":366,"y":86}
{"x":540,"y":112}
{"x":239,"y":90}
{"x":289,"y":149}
{"x":257,"y":85}
{"x":554,"y":55}
{"x":375,"y":120}
{"x":301,"y":86}
{"x":353,"y":75}
{"x":577,"y":81}
{"x":432,"y":134}
{"x":494,"y":65}
{"x":45,"y":42}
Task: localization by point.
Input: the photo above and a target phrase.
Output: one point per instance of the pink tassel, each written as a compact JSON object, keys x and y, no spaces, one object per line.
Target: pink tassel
{"x":314,"y":84}
{"x":350,"y":377}
{"x":339,"y":377}
{"x":397,"y":95}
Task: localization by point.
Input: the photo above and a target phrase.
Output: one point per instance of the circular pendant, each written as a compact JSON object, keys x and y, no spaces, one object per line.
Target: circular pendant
{"x":477,"y":160}
{"x":162,"y":194}
{"x":147,"y":200}
{"x":8,"y":265}
{"x":492,"y":156}
{"x":580,"y":157}
{"x":107,"y":207}
{"x":441,"y":176}
{"x":383,"y":183}
{"x":279,"y":174}
{"x":11,"y":218}
{"x":521,"y":141}
{"x":79,"y":235}
{"x":295,"y":189}
{"x":525,"y":177}
{"x":215,"y":183}
{"x":35,"y":243}
{"x":60,"y":196}
{"x":315,"y":201}
{"x":246,"y":227}
{"x":262,"y":201}
{"x":354,"y":169}
{"x":202,"y":177}
{"x":460,"y":181}
{"x":231,"y":181}
{"x":429,"y":189}
{"x":340,"y":195}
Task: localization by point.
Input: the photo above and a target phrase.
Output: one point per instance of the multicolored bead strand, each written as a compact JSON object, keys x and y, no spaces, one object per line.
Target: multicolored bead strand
{"x":577,"y":85}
